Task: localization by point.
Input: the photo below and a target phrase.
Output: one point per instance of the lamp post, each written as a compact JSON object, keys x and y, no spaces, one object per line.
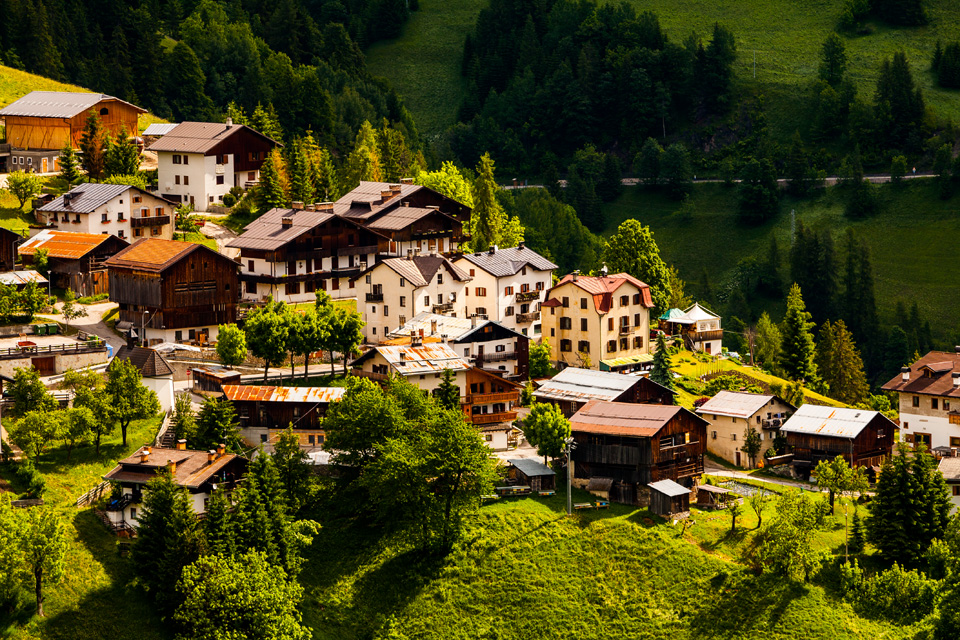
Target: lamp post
{"x":569,"y":446}
{"x":143,"y":328}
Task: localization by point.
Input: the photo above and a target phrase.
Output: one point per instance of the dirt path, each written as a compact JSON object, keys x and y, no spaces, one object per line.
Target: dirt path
{"x":93,"y":323}
{"x":222,"y":235}
{"x":716,"y":470}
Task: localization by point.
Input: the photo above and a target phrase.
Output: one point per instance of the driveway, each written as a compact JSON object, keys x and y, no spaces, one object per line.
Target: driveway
{"x":93,"y":323}
{"x":222,"y":235}
{"x":714,"y":469}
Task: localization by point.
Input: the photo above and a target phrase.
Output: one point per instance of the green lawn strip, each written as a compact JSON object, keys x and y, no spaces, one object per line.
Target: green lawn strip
{"x":196,"y":238}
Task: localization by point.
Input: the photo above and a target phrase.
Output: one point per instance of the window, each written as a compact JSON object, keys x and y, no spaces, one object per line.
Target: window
{"x":291,"y":288}
{"x":934,"y":403}
{"x":310,"y":439}
{"x":120,"y":234}
{"x":638,"y":343}
{"x":508,"y":311}
{"x":539,"y":286}
{"x":186,"y":179}
{"x":176,"y":179}
{"x":154,"y":231}
{"x":916,"y":401}
{"x":263,"y":437}
{"x":403,"y":282}
{"x":524,"y":288}
{"x":624,"y":344}
{"x":565,"y":302}
{"x":186,"y":159}
{"x":481,"y":311}
{"x":566,"y":346}
{"x":481,"y":291}
{"x":176,"y":158}
{"x":440,"y":278}
{"x":956,"y":489}
{"x":508,"y":291}
{"x":136,"y":233}
{"x":583,"y":324}
{"x":137,"y":199}
{"x":105,"y":112}
{"x":220,"y":179}
{"x":733,"y":436}
{"x":954,"y":442}
{"x":636,"y":298}
{"x":386,"y":311}
{"x":403,"y":301}
{"x":501,"y":348}
{"x":583,"y":303}
{"x":565,"y":323}
{"x":609,"y":324}
{"x":714,"y":435}
{"x":583,"y":346}
{"x":636,"y":319}
{"x":104,"y":217}
{"x":946,"y":405}
{"x":473,"y":272}
{"x":426,"y":301}
{"x":249,"y":265}
{"x":178,"y":336}
{"x":612,"y":346}
{"x":133,"y":513}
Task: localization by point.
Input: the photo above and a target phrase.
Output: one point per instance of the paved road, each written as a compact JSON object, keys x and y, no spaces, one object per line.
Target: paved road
{"x":222,"y":235}
{"x":830,"y":180}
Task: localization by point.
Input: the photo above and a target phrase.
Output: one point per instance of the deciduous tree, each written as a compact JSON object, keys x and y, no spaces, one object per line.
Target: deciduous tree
{"x":36,"y":430}
{"x":231,"y":345}
{"x":266,"y":331}
{"x":129,"y":399}
{"x":217,"y":424}
{"x":540,"y":358}
{"x":784,"y":544}
{"x":547,"y":429}
{"x":633,"y":249}
{"x":23,"y":186}
{"x":44,"y":549}
{"x":751,"y":444}
{"x":29,"y":393}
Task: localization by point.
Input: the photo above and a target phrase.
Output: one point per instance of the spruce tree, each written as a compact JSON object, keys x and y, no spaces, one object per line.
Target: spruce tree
{"x":301,"y":185}
{"x":448,"y":393}
{"x":798,"y":348}
{"x":218,"y":526}
{"x":186,"y":84}
{"x":93,"y":145}
{"x":488,"y":219}
{"x":858,"y":534}
{"x":69,"y":164}
{"x":122,"y":157}
{"x":840,"y":365}
{"x":661,"y":364}
{"x":271,"y":188}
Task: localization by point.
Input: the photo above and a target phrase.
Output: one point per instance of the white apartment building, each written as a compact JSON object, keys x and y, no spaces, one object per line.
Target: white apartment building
{"x":508,"y":286}
{"x":119,"y":210}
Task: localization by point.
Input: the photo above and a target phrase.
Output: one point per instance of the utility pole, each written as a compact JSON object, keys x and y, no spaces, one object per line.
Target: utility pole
{"x":568,"y":449}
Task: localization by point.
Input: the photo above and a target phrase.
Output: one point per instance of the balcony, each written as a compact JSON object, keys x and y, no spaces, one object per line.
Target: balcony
{"x":446,"y":307}
{"x":528,"y":317}
{"x":528,"y":296}
{"x":357,"y":251}
{"x":220,"y":169}
{"x":502,"y":356}
{"x":152,"y":221}
{"x":493,"y":418}
{"x":626,"y":330}
{"x":703,"y":336}
{"x":490,"y":398}
{"x":374,"y":297}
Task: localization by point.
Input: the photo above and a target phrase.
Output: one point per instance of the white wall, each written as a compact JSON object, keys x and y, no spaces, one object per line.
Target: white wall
{"x":120,"y":206}
{"x":163,"y":387}
{"x":496,"y":302}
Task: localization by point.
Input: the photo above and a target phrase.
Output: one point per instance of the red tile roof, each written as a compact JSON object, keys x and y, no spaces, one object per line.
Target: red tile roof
{"x":603,"y":287}
{"x":931,"y":375}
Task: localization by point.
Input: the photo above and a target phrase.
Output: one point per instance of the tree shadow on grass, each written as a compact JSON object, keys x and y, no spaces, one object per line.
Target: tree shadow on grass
{"x":743,"y":605}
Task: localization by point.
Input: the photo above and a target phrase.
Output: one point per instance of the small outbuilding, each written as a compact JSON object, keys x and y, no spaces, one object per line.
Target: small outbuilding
{"x":713,"y":497}
{"x":156,"y":372}
{"x":667,"y":498}
{"x":533,"y":474}
{"x":211,"y":379}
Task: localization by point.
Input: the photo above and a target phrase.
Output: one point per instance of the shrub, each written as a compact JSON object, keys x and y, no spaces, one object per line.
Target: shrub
{"x":898,"y":595}
{"x":229,"y":200}
{"x":33,"y":479}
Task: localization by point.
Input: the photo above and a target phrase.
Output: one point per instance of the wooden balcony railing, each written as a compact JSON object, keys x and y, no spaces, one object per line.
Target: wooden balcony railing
{"x":152,"y":221}
{"x":490,"y":398}
{"x":528,"y":317}
{"x":493,"y":418}
{"x":374,"y":297}
{"x":446,"y":307}
{"x":699,"y":336}
{"x":626,"y":329}
{"x":502,"y":356}
{"x":526,"y":296}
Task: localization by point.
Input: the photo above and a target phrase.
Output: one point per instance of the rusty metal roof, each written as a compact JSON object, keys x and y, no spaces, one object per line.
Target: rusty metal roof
{"x":624,"y":418}
{"x":58,"y":104}
{"x":65,"y":245}
{"x":735,"y":404}
{"x":838,"y":422}
{"x":433,"y":324}
{"x":585,"y":384}
{"x":283,"y":394}
{"x":429,"y":358}
{"x":17,"y":278}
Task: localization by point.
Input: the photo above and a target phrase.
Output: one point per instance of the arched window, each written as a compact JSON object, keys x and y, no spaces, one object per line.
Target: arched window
{"x":104,"y":111}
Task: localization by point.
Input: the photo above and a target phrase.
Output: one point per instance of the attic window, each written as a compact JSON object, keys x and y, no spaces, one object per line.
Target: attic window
{"x":104,"y":111}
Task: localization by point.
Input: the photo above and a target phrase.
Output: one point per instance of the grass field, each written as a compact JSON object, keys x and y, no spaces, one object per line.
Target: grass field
{"x":12,"y":216}
{"x":911,"y":240}
{"x":196,"y":238}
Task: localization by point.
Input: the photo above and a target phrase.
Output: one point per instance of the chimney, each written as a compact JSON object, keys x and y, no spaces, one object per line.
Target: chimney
{"x":409,"y":254}
{"x":395,"y":189}
{"x":433,"y":327}
{"x":286,"y":223}
{"x":385,"y":195}
{"x":181,"y":444}
{"x":576,"y":274}
{"x":473,"y":321}
{"x":492,"y":250}
{"x":403,"y":356}
{"x":211,"y":456}
{"x":520,"y":245}
{"x":956,"y":379}
{"x":229,"y":122}
{"x":297,"y":205}
{"x":221,"y":449}
{"x":363,"y":265}
{"x":604,"y":270}
{"x":149,"y":449}
{"x":325,"y":206}
{"x":144,"y":455}
{"x":406,"y":180}
{"x":310,"y":207}
{"x":67,"y":197}
{"x":905,"y":374}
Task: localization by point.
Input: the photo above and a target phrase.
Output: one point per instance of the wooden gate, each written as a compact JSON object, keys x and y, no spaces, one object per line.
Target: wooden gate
{"x":89,"y":284}
{"x":45,"y":366}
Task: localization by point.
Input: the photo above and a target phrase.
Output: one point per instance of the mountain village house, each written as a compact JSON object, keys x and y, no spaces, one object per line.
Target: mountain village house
{"x":76,"y":261}
{"x":929,"y":392}
{"x":950,"y":468}
{"x":9,"y":240}
{"x":508,"y":286}
{"x":200,"y":472}
{"x":266,"y":412}
{"x":199,"y":162}
{"x":729,"y":414}
{"x":399,"y":288}
{"x":41,"y":123}
{"x":623,"y":447}
{"x":156,"y":373}
{"x":572,"y":388}
{"x":173,"y":291}
{"x":598,"y":318}
{"x":698,"y":327}
{"x":120,"y":210}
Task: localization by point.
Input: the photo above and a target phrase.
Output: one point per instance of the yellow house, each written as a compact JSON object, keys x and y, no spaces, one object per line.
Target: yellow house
{"x":592,"y":319}
{"x":730,"y":412}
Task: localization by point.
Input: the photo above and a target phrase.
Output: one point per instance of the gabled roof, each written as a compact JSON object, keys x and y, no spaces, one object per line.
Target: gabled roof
{"x":581,"y":385}
{"x":193,"y":467}
{"x":87,"y":197}
{"x":508,"y":262}
{"x":424,"y":321}
{"x":320,"y":395}
{"x":10,"y":232}
{"x":476,"y":332}
{"x":156,"y":254}
{"x":402,"y":217}
{"x":58,"y":104}
{"x":65,"y":245}
{"x":409,"y":360}
{"x":365,"y":200}
{"x":736,"y":404}
{"x":18,"y":278}
{"x":602,"y":288}
{"x":696,"y":313}
{"x":268,"y":233}
{"x":419,"y":270}
{"x":625,"y":418}
{"x":837,"y":422}
{"x":148,"y":362}
{"x":200,"y":137}
{"x":669,"y":488}
{"x":941,"y":365}
{"x":950,"y":468}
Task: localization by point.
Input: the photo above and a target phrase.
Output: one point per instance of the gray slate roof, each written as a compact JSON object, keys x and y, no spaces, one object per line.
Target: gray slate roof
{"x":268,"y":233}
{"x":531,"y":468}
{"x":402,"y":217}
{"x":88,"y":197}
{"x":199,"y":137}
{"x":419,"y":270}
{"x":669,"y":488}
{"x":508,"y":262}
{"x":56,"y":104}
{"x":585,"y":384}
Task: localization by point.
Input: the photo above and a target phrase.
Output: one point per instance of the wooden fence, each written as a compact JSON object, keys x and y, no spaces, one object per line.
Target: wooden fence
{"x":94,"y":494}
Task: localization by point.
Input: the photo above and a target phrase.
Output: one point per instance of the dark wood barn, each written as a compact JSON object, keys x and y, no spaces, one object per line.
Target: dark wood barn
{"x":77,"y":261}
{"x":667,"y":498}
{"x":8,"y":248}
{"x":530,"y":473}
{"x":271,"y":410}
{"x":815,"y":433}
{"x":171,"y":286}
{"x":636,"y":444}
{"x":573,"y":388}
{"x":212,"y":379}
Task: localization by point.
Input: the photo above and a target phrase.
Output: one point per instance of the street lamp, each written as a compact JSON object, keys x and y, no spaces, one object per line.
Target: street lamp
{"x":569,"y":446}
{"x":143,"y":328}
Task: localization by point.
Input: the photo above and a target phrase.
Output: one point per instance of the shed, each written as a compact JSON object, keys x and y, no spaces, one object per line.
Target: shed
{"x":529,"y":472}
{"x":668,"y":498}
{"x":155,"y":371}
{"x":212,"y":379}
{"x":712,"y":497}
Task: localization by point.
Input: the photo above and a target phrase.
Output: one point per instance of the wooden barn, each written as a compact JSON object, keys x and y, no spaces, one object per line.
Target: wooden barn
{"x":77,"y":261}
{"x":667,"y":498}
{"x":815,"y":433}
{"x":265,"y":412}
{"x":47,"y":120}
{"x":636,"y":444}
{"x":530,"y":473}
{"x":8,"y":248}
{"x":173,"y":291}
{"x":572,"y":388}
{"x":211,"y":379}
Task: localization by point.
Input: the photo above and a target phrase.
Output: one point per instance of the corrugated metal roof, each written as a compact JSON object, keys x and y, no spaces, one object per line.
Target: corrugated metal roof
{"x":507,"y":262}
{"x":268,"y":233}
{"x":531,"y":468}
{"x":221,"y":373}
{"x":17,"y":278}
{"x":839,"y":422}
{"x":950,"y":468}
{"x":585,"y":384}
{"x":623,"y":418}
{"x":57,"y":104}
{"x":402,"y":217}
{"x":199,"y":137}
{"x":153,"y":254}
{"x":65,"y":245}
{"x":429,"y":358}
{"x":87,"y":197}
{"x":283,"y":394}
{"x":735,"y":404}
{"x":445,"y":325}
{"x":668,"y":488}
{"x":159,"y":128}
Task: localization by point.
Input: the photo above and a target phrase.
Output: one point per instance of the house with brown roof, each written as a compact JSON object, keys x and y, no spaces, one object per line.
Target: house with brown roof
{"x":76,"y":261}
{"x":573,"y":387}
{"x":200,"y":472}
{"x":396,"y":289}
{"x":199,"y":162}
{"x":173,"y":291}
{"x":39,"y":124}
{"x":929,"y":393}
{"x":121,"y":210}
{"x":731,"y":412}
{"x":266,"y":412}
{"x":598,"y":320}
{"x":156,"y":373}
{"x":623,"y":447}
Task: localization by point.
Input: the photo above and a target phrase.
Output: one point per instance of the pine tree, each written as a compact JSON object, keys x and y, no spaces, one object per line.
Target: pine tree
{"x":798,"y":349}
{"x":488,"y":219}
{"x":218,"y":526}
{"x":301,"y":185}
{"x":122,"y":157}
{"x":448,"y":393}
{"x":93,"y":145}
{"x":833,"y":60}
{"x":186,"y":85}
{"x":840,"y":364}
{"x":610,"y":186}
{"x":898,"y":102}
{"x":858,"y":535}
{"x":272,"y":189}
{"x":660,"y":373}
{"x":266,"y":122}
{"x":69,"y":164}
{"x":363,"y":163}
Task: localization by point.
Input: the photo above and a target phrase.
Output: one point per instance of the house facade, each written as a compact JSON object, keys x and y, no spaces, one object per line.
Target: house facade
{"x":200,"y":472}
{"x":592,"y":319}
{"x":573,"y":388}
{"x":156,"y":373}
{"x":173,"y":291}
{"x":815,"y":433}
{"x":491,"y":345}
{"x":397,"y":289}
{"x":950,"y":468}
{"x":266,"y":412}
{"x":631,"y":445}
{"x":508,"y":286}
{"x":124,"y":211}
{"x":9,"y":241}
{"x":76,"y":261}
{"x":698,"y":327}
{"x":199,"y":162}
{"x":929,"y":400}
{"x":731,"y":412}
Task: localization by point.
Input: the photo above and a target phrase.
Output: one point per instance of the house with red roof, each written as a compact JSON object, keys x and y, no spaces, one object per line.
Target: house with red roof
{"x":598,"y":321}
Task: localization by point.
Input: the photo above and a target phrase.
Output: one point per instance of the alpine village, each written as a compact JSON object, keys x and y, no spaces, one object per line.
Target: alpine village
{"x":464,"y":319}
